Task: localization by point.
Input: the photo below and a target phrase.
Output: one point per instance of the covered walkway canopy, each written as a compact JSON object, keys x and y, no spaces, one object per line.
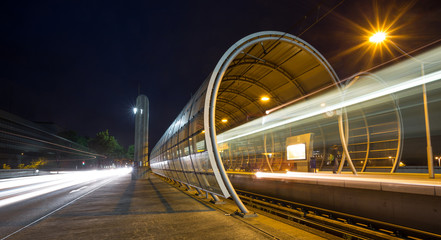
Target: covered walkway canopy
{"x":261,"y":72}
{"x":273,"y":104}
{"x":264,"y":71}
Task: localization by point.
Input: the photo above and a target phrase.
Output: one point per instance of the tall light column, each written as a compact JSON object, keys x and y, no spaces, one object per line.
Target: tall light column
{"x":141,"y":112}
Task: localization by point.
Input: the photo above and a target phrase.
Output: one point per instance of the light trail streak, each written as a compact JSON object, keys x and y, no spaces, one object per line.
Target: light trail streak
{"x":300,"y":111}
{"x":16,"y":190}
{"x":63,"y":206}
{"x":74,"y":150}
{"x":359,"y":178}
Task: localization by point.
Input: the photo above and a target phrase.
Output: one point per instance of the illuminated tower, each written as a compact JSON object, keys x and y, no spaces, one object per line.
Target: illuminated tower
{"x":141,"y":132}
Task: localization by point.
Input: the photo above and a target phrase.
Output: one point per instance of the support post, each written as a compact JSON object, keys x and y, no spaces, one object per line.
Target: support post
{"x":426,"y":114}
{"x":426,"y":118}
{"x":199,"y":193}
{"x":344,"y":145}
{"x":216,"y":199}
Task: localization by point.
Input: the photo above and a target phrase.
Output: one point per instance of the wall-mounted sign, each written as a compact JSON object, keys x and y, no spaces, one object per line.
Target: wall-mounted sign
{"x":296,"y":151}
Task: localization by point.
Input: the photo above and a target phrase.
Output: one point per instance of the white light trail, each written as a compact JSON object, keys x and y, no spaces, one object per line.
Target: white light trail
{"x":351,"y":178}
{"x":16,"y":190}
{"x":244,"y":130}
{"x":396,"y":78}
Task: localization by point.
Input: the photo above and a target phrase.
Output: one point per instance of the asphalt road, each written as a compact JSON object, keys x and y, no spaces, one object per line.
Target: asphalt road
{"x":26,"y":201}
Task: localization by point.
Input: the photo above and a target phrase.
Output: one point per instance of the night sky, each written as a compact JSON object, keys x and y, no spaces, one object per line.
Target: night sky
{"x":79,"y":63}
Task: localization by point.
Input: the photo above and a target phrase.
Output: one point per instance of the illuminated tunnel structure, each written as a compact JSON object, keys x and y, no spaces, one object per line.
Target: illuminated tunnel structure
{"x":274,"y":104}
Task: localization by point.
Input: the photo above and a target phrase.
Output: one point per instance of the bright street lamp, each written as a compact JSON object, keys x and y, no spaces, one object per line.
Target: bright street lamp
{"x":380,"y":37}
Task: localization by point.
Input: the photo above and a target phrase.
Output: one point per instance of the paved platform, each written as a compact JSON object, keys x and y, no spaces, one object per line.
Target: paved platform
{"x":153,"y":209}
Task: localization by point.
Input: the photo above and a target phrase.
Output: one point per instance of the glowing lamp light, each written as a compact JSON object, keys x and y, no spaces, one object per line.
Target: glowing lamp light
{"x":224,"y":120}
{"x":264,"y":99}
{"x":378,"y":37}
{"x":135,"y":110}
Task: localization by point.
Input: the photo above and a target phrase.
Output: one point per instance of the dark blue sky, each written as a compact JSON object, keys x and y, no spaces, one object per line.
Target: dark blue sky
{"x":79,"y":63}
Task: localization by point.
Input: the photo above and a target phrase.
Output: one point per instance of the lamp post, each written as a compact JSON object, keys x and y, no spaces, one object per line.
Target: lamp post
{"x":380,"y":37}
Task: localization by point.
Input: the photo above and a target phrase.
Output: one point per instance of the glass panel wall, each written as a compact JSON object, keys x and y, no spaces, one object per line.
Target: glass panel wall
{"x":181,"y":154}
{"x":372,"y":129}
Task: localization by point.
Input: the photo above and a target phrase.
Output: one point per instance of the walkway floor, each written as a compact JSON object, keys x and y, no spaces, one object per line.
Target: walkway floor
{"x":153,"y":209}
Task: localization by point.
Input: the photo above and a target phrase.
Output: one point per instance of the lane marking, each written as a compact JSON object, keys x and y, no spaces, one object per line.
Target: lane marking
{"x":79,"y":189}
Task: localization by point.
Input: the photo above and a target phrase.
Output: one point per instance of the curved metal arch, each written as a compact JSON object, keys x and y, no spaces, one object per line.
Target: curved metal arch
{"x":368,"y":139}
{"x":254,"y":82}
{"x":265,"y":50}
{"x":347,"y":85}
{"x":250,"y":99}
{"x":213,"y":89}
{"x":221,"y":100}
{"x":273,"y":67}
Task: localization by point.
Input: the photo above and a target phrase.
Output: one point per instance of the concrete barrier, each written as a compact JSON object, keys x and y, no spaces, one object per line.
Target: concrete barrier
{"x":13,"y":173}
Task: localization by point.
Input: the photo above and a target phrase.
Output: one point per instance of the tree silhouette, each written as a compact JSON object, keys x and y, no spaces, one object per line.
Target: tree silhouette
{"x":105,"y":144}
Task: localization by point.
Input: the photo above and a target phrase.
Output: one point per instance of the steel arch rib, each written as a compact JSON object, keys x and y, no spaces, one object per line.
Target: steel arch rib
{"x":212,"y":91}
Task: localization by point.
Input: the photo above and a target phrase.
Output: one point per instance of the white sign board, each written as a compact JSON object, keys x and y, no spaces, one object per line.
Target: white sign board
{"x":296,"y":151}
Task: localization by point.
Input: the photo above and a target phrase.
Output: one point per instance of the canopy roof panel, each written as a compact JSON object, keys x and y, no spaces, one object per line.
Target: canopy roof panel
{"x":275,"y":65}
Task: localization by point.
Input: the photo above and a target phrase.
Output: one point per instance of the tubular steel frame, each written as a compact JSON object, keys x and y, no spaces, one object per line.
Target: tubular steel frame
{"x":213,"y":88}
